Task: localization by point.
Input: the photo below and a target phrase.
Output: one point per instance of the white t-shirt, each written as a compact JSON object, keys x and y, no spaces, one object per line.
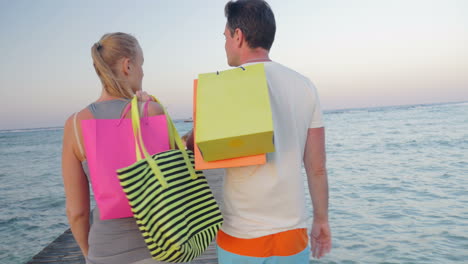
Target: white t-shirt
{"x":270,"y":198}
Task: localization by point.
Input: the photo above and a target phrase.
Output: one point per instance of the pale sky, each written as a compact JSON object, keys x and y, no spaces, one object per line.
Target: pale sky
{"x":359,"y":53}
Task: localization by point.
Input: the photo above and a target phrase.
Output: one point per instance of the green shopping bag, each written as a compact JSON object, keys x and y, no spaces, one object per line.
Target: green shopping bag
{"x":172,"y":203}
{"x":233,"y":112}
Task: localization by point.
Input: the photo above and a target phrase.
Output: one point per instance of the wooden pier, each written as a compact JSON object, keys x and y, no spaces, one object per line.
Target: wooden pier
{"x":65,"y":250}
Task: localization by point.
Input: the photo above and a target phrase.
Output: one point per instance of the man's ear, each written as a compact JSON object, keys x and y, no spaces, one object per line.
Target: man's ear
{"x":126,"y":66}
{"x":239,"y":37}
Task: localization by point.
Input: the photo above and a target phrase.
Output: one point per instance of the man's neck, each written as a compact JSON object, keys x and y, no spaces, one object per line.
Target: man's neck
{"x":254,"y":55}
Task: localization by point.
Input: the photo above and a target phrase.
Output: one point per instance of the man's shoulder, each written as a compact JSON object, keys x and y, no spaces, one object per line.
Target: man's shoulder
{"x":278,"y":68}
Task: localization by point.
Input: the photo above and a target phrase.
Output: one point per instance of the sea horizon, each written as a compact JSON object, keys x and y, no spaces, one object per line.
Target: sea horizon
{"x":337,"y":110}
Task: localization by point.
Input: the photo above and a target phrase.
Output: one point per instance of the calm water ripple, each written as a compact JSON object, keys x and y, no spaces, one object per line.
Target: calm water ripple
{"x":398,"y":186}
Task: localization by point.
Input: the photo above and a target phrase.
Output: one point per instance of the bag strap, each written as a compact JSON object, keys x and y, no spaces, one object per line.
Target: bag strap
{"x":171,"y":129}
{"x":140,"y":146}
{"x":122,"y":117}
{"x":143,"y":110}
{"x":180,"y":144}
{"x":78,"y":142}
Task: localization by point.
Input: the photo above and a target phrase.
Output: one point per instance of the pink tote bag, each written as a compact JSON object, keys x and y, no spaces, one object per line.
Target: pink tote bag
{"x":110,"y":145}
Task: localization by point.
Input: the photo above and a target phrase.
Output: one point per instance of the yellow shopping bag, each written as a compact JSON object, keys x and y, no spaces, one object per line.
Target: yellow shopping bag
{"x":233,"y":114}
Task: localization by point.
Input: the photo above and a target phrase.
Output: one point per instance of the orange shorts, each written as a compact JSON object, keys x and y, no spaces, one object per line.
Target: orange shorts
{"x":282,"y":244}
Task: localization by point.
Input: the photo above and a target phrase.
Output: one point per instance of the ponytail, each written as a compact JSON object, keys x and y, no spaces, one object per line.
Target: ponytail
{"x":106,"y":53}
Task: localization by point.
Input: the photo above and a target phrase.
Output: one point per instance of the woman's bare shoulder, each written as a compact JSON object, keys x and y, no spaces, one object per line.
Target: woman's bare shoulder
{"x":155,"y":108}
{"x":82,"y":114}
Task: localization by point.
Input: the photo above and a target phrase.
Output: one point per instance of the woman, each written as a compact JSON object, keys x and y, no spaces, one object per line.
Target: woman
{"x":118,"y":60}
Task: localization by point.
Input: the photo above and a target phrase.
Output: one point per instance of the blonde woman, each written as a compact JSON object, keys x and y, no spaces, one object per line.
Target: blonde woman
{"x":118,"y":61}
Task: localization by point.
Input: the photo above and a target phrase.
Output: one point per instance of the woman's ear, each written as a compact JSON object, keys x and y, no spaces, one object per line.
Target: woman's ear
{"x":125,"y":66}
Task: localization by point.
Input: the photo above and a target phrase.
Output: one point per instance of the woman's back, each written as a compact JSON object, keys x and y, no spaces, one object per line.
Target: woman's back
{"x":118,"y":61}
{"x":114,"y":240}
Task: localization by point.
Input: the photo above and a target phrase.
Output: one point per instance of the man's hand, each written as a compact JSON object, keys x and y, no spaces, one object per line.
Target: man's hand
{"x":189,"y":141}
{"x":320,"y":238}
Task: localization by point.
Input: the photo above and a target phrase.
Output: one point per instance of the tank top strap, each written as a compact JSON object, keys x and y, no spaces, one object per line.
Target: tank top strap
{"x":77,"y":137}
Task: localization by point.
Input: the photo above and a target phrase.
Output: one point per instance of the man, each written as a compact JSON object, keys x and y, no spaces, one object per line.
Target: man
{"x":264,"y":206}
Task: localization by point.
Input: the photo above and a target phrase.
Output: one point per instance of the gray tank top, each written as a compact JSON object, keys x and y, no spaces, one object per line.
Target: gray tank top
{"x":116,"y":240}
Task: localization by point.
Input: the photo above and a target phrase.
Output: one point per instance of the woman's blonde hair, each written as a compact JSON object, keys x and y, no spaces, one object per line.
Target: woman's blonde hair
{"x":106,"y":53}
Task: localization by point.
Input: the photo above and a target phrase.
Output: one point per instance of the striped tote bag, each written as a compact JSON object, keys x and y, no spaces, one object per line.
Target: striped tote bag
{"x":172,"y":203}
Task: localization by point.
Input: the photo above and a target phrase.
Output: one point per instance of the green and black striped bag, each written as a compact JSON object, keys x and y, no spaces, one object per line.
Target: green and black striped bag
{"x":172,"y":203}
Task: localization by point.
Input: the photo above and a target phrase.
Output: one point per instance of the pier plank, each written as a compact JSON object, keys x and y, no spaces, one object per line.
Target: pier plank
{"x":64,"y":248}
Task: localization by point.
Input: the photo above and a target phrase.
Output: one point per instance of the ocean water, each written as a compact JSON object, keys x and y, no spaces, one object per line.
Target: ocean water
{"x":398,"y":181}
